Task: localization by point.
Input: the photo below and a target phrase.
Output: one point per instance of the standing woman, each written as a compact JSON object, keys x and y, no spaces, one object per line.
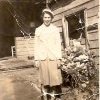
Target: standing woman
{"x":48,"y":55}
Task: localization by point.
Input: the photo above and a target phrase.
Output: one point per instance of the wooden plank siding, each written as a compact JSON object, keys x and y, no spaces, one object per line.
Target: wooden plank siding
{"x":83,"y":4}
{"x":64,"y":10}
{"x":92,"y":9}
{"x":91,"y":12}
{"x":94,"y":44}
{"x":92,"y":20}
{"x":93,"y":35}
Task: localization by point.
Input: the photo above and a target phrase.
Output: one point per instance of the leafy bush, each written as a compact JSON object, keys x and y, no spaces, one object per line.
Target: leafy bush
{"x":78,"y":66}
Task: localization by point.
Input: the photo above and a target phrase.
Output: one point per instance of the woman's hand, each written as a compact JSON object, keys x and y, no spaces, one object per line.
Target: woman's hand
{"x":59,"y":63}
{"x":37,"y":64}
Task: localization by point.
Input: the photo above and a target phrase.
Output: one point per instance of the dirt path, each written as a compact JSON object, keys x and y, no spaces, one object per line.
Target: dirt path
{"x":19,"y":85}
{"x":24,"y":84}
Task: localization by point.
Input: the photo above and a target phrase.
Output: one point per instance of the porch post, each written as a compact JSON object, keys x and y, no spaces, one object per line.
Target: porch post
{"x":65,"y":31}
{"x":86,"y":33}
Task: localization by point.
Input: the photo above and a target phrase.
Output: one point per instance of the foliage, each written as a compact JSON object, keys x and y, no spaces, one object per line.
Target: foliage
{"x":78,"y":66}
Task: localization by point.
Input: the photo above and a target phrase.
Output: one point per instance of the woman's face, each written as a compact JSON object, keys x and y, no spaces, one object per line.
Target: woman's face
{"x":47,"y":19}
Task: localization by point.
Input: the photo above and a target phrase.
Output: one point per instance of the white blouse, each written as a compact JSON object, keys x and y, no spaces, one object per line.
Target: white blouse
{"x":47,"y":43}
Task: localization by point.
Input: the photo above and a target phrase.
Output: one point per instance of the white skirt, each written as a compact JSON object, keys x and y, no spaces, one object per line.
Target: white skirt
{"x":49,"y":73}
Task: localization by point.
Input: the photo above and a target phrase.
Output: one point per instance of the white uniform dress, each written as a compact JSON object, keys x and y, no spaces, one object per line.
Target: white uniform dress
{"x":48,"y":50}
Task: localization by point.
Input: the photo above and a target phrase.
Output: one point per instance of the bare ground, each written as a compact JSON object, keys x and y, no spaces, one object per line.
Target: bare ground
{"x":22,"y":83}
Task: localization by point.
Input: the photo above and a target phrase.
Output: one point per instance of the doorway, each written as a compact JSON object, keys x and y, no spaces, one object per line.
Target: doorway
{"x":6,"y":30}
{"x":5,"y":46}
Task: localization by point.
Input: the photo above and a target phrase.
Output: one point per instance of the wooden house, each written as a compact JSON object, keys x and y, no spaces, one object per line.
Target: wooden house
{"x":81,"y":18}
{"x":75,"y":19}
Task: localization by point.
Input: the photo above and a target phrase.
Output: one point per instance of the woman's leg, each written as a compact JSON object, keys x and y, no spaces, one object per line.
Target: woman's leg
{"x":57,"y":90}
{"x":45,"y":90}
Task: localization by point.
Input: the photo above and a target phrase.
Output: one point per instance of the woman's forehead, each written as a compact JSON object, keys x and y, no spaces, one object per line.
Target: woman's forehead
{"x":47,"y":15}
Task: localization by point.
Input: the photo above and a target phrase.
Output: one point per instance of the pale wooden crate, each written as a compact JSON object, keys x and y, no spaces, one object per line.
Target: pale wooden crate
{"x":24,"y":47}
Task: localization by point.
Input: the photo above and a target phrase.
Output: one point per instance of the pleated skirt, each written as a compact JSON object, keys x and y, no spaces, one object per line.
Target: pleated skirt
{"x":49,"y":73}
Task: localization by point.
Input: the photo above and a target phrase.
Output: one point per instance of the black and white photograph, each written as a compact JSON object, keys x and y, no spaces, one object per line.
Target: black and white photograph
{"x":49,"y":49}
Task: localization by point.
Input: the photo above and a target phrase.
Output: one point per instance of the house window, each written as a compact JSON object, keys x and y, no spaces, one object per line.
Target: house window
{"x":76,"y":25}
